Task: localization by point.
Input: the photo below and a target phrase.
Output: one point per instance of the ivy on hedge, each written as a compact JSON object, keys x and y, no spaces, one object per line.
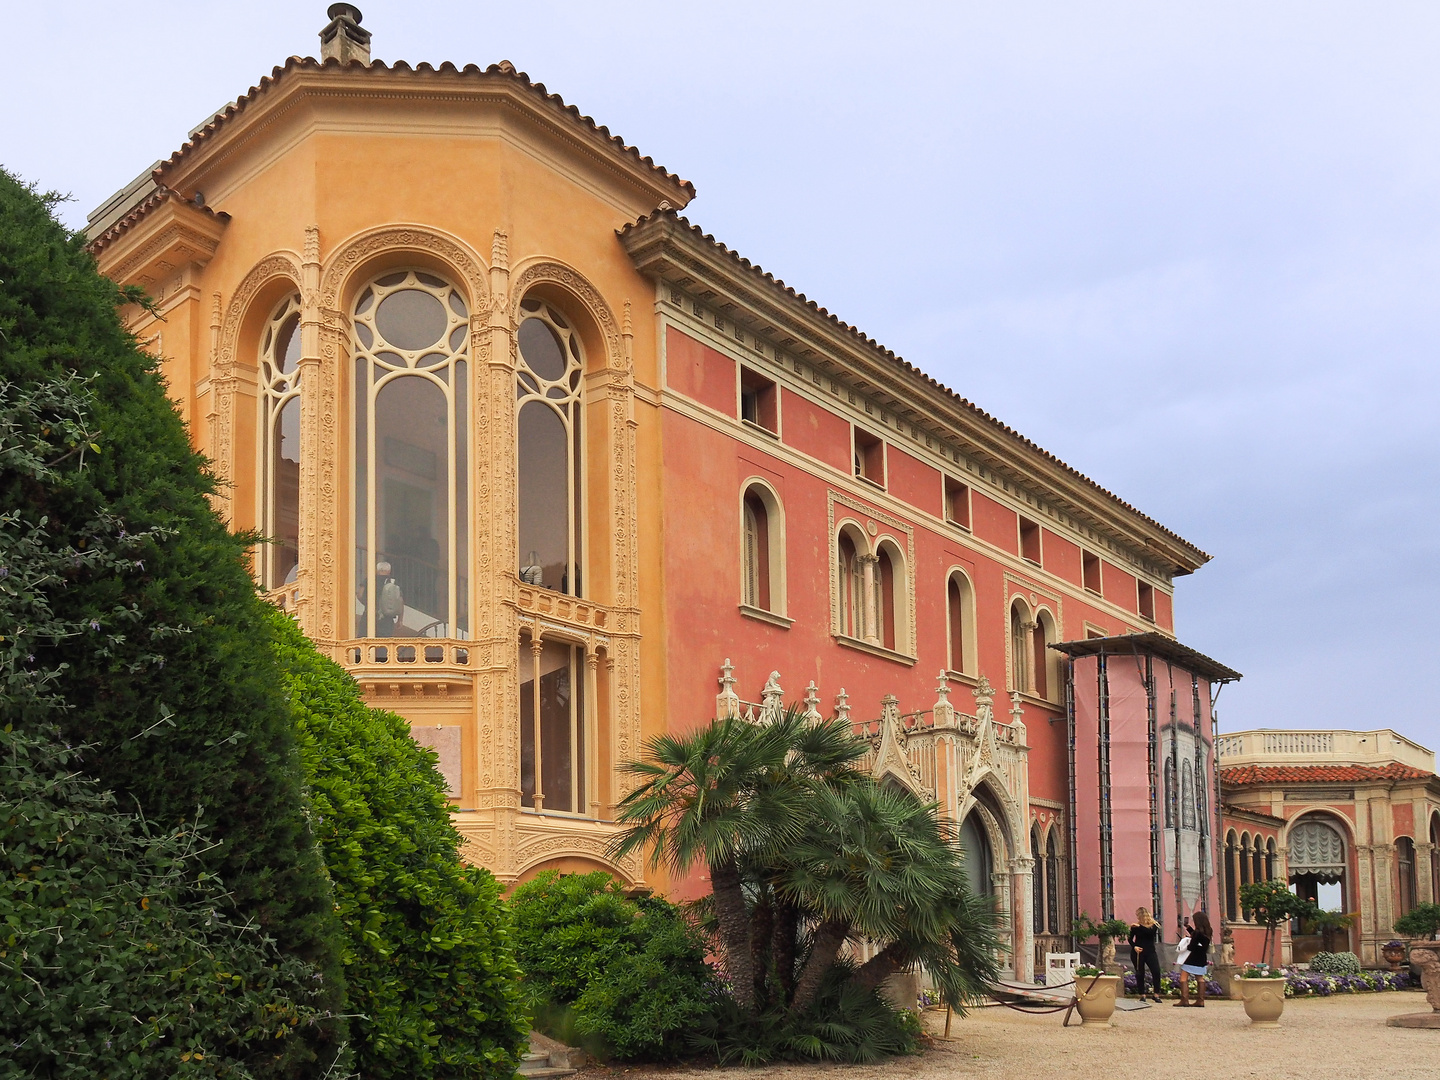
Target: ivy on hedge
{"x":428,"y":959}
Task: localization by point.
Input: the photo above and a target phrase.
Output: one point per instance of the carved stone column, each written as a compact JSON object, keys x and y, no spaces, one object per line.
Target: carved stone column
{"x":495,"y":525}
{"x":869,"y":608}
{"x":313,"y":448}
{"x":1424,"y":876}
{"x":624,"y":533}
{"x":1023,"y":872}
{"x":592,"y":728}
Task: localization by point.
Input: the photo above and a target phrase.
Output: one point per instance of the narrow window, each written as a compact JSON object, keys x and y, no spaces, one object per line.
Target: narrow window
{"x":869,"y":457}
{"x":1090,"y":571}
{"x":552,"y":727}
{"x":1232,"y":885}
{"x":549,"y":452}
{"x":956,"y":601}
{"x":1405,"y":869}
{"x":1052,"y":886}
{"x":412,"y":434}
{"x":887,"y":616}
{"x":957,"y":503}
{"x":852,"y":621}
{"x":1147,"y":601}
{"x":1020,"y":649}
{"x":1169,"y":792}
{"x":1040,"y":637}
{"x":758,"y":401}
{"x":280,"y":444}
{"x":757,"y":552}
{"x":1187,"y":795}
{"x":1270,"y":859}
{"x":1029,"y":541}
{"x":1037,"y":898}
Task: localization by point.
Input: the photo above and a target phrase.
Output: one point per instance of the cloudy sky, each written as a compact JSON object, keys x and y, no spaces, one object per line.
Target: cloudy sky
{"x":1191,"y":248}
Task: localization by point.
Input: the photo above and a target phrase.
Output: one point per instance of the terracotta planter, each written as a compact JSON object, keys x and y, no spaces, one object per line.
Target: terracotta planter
{"x":1393,"y":957}
{"x":1095,"y":998}
{"x":1264,"y":1000}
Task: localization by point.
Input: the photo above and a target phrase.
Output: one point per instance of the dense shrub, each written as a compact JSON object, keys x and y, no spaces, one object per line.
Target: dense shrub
{"x":632,"y":973}
{"x":1335,"y":963}
{"x":122,"y":956}
{"x":1421,"y":921}
{"x":118,"y":957}
{"x":431,"y":976}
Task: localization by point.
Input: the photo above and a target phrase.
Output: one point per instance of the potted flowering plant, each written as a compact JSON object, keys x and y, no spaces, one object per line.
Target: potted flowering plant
{"x":1393,"y":951}
{"x":1095,"y":994}
{"x":1262,"y":989}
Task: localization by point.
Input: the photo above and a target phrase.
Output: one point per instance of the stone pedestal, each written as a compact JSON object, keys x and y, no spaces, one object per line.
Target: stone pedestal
{"x":1428,"y":961}
{"x":1224,"y":974}
{"x":1429,"y":1020}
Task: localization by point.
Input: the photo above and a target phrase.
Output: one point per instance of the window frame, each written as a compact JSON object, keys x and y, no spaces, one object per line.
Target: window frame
{"x":867,"y":449}
{"x":764,"y":493}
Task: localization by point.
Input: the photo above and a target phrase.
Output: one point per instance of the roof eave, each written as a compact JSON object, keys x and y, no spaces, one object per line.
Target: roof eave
{"x":669,"y":248}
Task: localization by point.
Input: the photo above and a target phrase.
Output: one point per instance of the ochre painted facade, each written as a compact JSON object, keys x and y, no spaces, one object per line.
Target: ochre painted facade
{"x":769,"y":504}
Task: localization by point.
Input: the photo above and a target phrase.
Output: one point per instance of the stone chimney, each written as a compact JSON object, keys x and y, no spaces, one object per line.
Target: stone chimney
{"x":342,"y":37}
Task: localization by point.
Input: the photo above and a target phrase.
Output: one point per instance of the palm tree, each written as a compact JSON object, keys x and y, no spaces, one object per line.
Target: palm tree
{"x":877,"y":863}
{"x":730,"y":792}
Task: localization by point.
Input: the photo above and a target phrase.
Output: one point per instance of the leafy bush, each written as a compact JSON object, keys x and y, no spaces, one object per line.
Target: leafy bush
{"x":429,"y":966}
{"x":161,"y":659}
{"x":1421,"y":921}
{"x":1335,"y":963}
{"x":848,"y":1022}
{"x":119,"y":958}
{"x":631,"y":972}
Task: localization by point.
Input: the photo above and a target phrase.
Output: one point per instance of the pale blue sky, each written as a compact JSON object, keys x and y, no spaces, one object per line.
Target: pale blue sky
{"x":1191,"y":248}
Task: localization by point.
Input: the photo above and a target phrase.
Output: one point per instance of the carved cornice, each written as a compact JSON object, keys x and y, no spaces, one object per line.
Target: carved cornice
{"x":172,"y":235}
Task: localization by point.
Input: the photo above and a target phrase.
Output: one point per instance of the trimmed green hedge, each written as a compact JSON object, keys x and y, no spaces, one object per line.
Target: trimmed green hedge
{"x":628,"y":973}
{"x":427,"y":950}
{"x":118,"y":957}
{"x":171,"y":678}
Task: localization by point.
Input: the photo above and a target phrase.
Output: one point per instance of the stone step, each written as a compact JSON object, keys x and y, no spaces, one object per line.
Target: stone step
{"x":533,"y":1071}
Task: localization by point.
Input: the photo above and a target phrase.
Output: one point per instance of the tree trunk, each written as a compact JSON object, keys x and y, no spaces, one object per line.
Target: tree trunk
{"x":829,"y":936}
{"x":882,"y":965}
{"x":734,"y":932}
{"x":782,"y":948}
{"x":762,"y":929}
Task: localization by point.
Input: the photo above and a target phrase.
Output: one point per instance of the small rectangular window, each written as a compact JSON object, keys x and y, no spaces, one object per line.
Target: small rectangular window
{"x":1147,"y":601}
{"x":758,"y":401}
{"x":957,"y":503}
{"x":869,"y":457}
{"x":1029,"y":541}
{"x":1090,"y":571}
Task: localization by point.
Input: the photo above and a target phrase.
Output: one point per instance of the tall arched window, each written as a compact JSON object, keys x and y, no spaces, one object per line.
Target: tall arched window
{"x":411,"y":343}
{"x":889,"y":592}
{"x":960,"y":620}
{"x":1021,"y":647}
{"x":1037,"y":898}
{"x":1435,"y":858}
{"x":1405,"y":872}
{"x":549,"y":402}
{"x":1232,"y":884}
{"x":1187,"y":795}
{"x":1042,"y":636}
{"x":1052,"y":881}
{"x":1169,"y":792}
{"x":763,"y":553}
{"x":280,"y":443}
{"x":851,"y":587}
{"x":1270,"y":858}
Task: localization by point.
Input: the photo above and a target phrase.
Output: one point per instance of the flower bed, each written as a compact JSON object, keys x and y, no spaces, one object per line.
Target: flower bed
{"x":1170,"y":986}
{"x":1319,"y":984}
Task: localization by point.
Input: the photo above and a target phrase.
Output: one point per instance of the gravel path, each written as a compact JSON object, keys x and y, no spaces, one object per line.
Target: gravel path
{"x":1338,"y":1036}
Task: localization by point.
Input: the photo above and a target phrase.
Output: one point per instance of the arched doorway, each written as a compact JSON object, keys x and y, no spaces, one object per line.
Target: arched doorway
{"x":1319,"y":871}
{"x":976,"y":851}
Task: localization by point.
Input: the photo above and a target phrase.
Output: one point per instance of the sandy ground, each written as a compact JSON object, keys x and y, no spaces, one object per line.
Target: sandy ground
{"x":1324,"y":1037}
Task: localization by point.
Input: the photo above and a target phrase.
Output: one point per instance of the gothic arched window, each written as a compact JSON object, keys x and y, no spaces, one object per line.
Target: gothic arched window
{"x":550,"y":456}
{"x":1187,"y":795}
{"x":280,"y":444}
{"x":851,"y":586}
{"x":411,"y":343}
{"x":1021,"y":647}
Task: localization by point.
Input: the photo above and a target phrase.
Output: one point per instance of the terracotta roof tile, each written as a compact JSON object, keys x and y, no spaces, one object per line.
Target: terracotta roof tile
{"x":772,"y":281}
{"x":157,"y":198}
{"x":1241,"y":775}
{"x":502,"y":70}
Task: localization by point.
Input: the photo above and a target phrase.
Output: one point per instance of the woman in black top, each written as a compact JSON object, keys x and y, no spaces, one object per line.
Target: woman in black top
{"x":1144,"y":936}
{"x":1198,"y":962}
